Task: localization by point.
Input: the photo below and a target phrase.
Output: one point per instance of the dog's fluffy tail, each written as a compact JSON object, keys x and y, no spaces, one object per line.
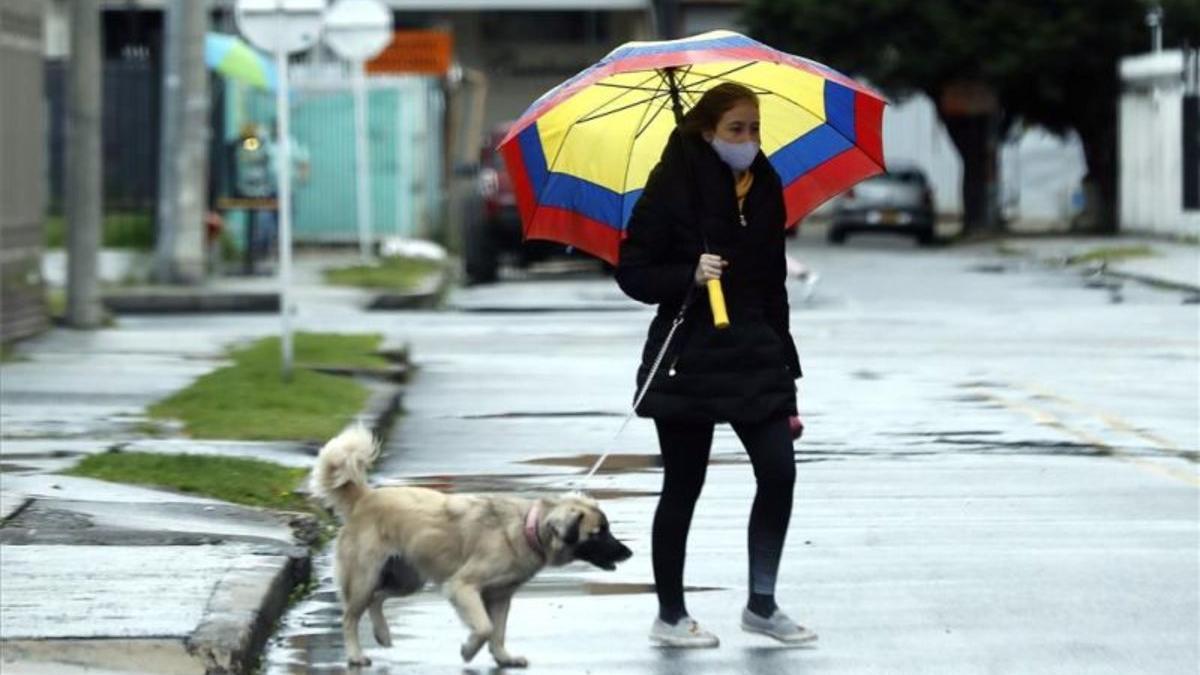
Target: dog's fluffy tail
{"x":340,"y":475}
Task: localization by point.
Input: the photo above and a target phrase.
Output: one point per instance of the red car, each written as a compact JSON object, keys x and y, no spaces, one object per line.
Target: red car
{"x":494,"y":234}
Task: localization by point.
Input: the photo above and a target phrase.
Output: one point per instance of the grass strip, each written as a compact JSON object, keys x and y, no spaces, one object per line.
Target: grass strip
{"x":250,"y":400}
{"x":242,"y":481}
{"x":395,"y":274}
{"x":121,"y":229}
{"x":1112,"y":254}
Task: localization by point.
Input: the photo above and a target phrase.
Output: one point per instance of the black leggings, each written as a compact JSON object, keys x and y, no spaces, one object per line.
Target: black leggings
{"x":685,"y":449}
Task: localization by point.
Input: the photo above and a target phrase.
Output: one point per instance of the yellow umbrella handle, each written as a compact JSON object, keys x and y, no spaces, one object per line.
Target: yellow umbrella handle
{"x":716,"y":300}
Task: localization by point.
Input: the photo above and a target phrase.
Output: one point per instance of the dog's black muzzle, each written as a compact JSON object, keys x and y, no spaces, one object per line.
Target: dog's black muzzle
{"x":603,"y":551}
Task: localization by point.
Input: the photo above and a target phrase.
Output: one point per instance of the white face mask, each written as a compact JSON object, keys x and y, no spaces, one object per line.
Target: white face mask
{"x":739,"y":156}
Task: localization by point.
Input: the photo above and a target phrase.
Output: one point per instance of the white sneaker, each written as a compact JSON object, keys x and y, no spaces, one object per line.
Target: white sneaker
{"x":686,"y":633}
{"x":778,"y":626}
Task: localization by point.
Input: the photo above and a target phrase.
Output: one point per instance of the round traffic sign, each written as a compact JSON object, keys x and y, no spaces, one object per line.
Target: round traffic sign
{"x":358,"y":29}
{"x":280,"y":25}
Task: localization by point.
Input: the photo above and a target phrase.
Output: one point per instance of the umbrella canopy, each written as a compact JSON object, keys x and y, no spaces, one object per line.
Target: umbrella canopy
{"x":229,"y":56}
{"x":580,"y":155}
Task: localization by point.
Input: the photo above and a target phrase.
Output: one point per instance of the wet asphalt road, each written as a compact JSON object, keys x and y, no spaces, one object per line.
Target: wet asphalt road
{"x":999,"y":474}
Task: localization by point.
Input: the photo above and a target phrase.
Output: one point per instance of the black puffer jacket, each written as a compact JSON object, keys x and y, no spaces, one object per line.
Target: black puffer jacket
{"x":745,"y":372}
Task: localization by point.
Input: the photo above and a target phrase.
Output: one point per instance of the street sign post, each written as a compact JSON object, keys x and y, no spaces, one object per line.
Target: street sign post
{"x":357,"y":30}
{"x":282,"y":27}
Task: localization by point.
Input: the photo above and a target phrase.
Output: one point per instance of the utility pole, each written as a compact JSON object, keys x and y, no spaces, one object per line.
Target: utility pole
{"x":84,"y":207}
{"x":1154,"y":19}
{"x":183,"y":161}
{"x":667,"y":19}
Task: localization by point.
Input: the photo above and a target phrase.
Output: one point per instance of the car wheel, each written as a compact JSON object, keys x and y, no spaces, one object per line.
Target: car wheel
{"x":926,"y":237}
{"x":481,"y":260}
{"x":836,"y":236}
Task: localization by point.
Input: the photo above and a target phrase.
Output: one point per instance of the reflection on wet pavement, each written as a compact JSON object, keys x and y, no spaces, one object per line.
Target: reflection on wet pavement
{"x":526,"y":484}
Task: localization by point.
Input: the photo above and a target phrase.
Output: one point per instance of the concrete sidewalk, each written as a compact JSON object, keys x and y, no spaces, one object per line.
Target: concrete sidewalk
{"x":104,"y":577}
{"x":128,"y":290}
{"x":1171,"y":264}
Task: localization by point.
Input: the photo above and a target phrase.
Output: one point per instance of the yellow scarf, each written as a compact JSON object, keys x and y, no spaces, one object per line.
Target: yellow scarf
{"x":742,"y":187}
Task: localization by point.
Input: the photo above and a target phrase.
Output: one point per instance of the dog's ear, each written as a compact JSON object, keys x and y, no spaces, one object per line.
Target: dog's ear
{"x":567,"y":527}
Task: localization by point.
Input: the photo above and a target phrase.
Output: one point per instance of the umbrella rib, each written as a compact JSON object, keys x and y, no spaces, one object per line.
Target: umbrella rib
{"x":641,"y":129}
{"x":626,"y":87}
{"x":661,"y":107}
{"x":721,"y":76}
{"x":630,"y":87}
{"x":686,"y":71}
{"x":801,"y":106}
{"x":629,"y":153}
{"x":623,"y":108}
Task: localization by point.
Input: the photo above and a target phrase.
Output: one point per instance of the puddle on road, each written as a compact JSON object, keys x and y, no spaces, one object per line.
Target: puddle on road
{"x":981,"y":384}
{"x":616,"y":463}
{"x":1059,"y":448}
{"x":567,"y":414}
{"x":9,"y":467}
{"x":939,"y":434}
{"x":567,"y":587}
{"x":989,"y":268}
{"x":628,"y":463}
{"x":866,"y":375}
{"x":527,"y":483}
{"x":53,"y":454}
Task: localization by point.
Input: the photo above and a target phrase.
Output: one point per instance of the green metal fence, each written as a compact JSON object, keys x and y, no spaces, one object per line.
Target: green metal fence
{"x":405,"y":142}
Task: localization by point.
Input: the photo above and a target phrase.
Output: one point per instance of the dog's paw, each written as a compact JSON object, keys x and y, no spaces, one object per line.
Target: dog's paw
{"x":383,"y":636}
{"x":509,"y":661}
{"x":360,"y":662}
{"x":471,"y":647}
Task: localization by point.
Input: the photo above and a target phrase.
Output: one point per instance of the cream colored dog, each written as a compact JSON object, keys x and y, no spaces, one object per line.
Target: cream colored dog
{"x":479,"y":548}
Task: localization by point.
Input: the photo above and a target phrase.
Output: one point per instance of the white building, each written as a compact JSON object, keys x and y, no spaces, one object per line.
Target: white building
{"x":1040,"y":173}
{"x":1152,"y":142}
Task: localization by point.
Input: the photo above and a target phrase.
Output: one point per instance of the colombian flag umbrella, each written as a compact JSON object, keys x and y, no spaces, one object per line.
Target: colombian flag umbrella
{"x":580,"y":155}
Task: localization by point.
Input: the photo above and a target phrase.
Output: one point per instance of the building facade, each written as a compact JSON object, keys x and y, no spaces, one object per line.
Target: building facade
{"x":1159,"y":150}
{"x":22,"y":170}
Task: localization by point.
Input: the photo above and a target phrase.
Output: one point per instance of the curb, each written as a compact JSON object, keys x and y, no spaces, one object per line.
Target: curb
{"x":382,"y":407}
{"x":243,"y":610}
{"x":427,"y":296}
{"x":154,"y":301}
{"x":1151,"y":281}
{"x":392,"y":373}
{"x":245,"y":607}
{"x":1106,"y":270}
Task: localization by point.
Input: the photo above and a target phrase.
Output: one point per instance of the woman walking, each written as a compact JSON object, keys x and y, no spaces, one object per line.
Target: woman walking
{"x":713,"y":209}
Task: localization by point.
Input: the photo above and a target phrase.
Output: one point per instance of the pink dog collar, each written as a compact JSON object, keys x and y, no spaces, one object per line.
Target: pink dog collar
{"x":531,"y":529}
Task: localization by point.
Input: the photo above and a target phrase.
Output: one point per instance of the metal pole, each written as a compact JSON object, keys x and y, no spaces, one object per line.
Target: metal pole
{"x":362,"y":178}
{"x":285,"y":210}
{"x":401,"y":89}
{"x":1154,"y":17}
{"x":170,"y":135}
{"x":673,"y":89}
{"x":84,"y":197}
{"x":191,"y":194}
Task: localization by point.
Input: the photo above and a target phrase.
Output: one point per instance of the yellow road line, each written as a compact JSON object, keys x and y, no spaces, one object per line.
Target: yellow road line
{"x":1108,"y":418}
{"x":1047,"y":418}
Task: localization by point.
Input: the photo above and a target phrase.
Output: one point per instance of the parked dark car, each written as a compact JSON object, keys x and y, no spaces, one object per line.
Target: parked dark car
{"x":899,"y":201}
{"x":495,"y":233}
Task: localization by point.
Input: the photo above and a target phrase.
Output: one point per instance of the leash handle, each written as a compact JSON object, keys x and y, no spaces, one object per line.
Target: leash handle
{"x":716,"y":301}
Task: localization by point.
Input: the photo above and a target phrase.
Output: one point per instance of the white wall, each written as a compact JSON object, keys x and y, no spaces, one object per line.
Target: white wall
{"x":1040,"y":172}
{"x":1151,"y":147}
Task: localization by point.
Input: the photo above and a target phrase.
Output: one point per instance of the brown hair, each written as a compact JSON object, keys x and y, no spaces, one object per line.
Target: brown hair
{"x":715,"y":102}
